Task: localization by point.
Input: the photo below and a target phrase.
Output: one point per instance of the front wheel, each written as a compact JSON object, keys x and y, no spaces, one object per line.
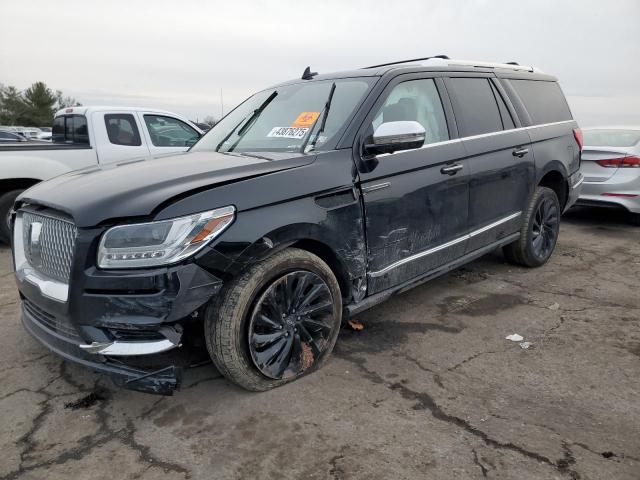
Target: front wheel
{"x":276,"y":322}
{"x":539,"y":231}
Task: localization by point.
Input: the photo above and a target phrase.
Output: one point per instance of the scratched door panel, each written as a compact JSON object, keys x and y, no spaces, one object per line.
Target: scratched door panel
{"x":419,"y":209}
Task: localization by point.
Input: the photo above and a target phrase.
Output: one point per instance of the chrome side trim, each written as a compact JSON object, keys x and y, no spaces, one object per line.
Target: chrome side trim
{"x":49,"y":288}
{"x":129,"y":348}
{"x":494,"y":224}
{"x":579,"y":182}
{"x":482,"y":135}
{"x":450,"y":243}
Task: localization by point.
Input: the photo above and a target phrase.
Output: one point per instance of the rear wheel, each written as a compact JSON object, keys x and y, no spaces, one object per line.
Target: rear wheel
{"x":635,"y":218}
{"x":539,"y":231}
{"x":6,"y":202}
{"x":276,"y":322}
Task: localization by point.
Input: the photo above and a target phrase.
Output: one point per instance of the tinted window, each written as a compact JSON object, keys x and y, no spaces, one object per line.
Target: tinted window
{"x":415,"y":100}
{"x":475,"y":106}
{"x":544,"y":101}
{"x":70,"y":129}
{"x":122,"y":129}
{"x":611,"y":138}
{"x":170,"y":132}
{"x":505,"y":116}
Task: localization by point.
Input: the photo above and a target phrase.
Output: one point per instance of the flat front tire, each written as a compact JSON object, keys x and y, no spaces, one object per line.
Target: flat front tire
{"x":539,"y":230}
{"x":276,"y":322}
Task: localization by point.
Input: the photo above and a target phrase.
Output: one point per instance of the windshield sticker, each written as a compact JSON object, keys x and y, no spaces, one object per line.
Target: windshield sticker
{"x":287,"y":132}
{"x":305,"y":119}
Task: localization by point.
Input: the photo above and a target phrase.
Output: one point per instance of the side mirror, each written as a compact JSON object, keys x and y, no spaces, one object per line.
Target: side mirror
{"x":390,"y":137}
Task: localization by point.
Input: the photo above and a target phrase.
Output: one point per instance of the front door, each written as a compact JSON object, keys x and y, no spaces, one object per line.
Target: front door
{"x":500,"y":158}
{"x":415,"y":201}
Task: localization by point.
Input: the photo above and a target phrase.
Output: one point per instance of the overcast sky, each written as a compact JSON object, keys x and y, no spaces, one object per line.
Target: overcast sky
{"x":179,"y":55}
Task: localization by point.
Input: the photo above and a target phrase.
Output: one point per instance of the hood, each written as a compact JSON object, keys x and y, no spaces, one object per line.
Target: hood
{"x":132,"y":189}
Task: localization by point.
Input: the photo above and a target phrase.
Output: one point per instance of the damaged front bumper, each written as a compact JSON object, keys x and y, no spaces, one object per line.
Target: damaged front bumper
{"x":162,"y":381}
{"x":129,"y":326}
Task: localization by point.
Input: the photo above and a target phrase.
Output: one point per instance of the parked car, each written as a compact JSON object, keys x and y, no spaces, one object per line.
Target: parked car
{"x":312,"y":201}
{"x":11,"y":137}
{"x":611,"y":169}
{"x":89,"y":136}
{"x":45,"y":133}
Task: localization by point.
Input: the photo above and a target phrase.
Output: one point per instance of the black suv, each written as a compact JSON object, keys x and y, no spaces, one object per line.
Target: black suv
{"x":311,"y":201}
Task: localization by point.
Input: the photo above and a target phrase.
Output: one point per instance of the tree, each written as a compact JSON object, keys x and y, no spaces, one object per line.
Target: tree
{"x":12,"y":105}
{"x":210,"y":120}
{"x":33,"y":107}
{"x":65,"y":102}
{"x":40,"y":101}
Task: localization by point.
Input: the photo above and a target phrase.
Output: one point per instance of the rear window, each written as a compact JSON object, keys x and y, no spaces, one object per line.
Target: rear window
{"x":543,"y":100}
{"x":70,"y":129}
{"x":611,"y":138}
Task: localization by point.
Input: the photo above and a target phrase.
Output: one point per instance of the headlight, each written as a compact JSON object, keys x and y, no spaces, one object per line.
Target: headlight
{"x":160,"y":243}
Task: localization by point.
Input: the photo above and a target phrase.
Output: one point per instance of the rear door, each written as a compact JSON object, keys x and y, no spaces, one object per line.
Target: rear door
{"x":501,"y":163}
{"x":167,"y":135}
{"x":118,"y":137}
{"x":415,"y":200}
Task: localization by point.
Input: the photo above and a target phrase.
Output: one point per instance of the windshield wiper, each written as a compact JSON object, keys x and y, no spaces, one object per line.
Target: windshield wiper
{"x":323,"y":122}
{"x":250,"y":121}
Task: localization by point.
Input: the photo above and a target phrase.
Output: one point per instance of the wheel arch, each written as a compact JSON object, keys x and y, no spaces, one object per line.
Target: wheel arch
{"x":554,"y":176}
{"x":347,"y":264}
{"x":9,"y":184}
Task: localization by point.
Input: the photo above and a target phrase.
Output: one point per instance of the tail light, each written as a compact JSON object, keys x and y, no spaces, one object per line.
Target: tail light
{"x":626,"y":195}
{"x":577,"y":134}
{"x":622,"y":162}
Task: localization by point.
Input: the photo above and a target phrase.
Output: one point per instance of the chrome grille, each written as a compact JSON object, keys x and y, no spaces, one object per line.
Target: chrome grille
{"x":48,"y":243}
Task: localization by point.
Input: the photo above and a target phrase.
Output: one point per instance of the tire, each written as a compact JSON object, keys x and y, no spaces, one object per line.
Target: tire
{"x":6,"y":202}
{"x":543,"y":208}
{"x":634,"y":219}
{"x":247,"y":313}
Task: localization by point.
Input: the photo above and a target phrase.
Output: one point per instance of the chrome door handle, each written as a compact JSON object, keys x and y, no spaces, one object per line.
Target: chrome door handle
{"x":520,"y":152}
{"x":451,"y":170}
{"x":373,"y":188}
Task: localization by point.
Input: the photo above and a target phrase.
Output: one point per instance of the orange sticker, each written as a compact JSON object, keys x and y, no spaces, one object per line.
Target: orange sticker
{"x":305,"y":119}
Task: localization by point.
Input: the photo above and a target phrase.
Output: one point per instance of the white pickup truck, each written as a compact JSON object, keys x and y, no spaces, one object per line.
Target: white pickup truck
{"x":86,"y":136}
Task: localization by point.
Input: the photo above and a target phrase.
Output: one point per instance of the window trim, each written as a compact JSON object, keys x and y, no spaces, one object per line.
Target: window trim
{"x":136,"y":130}
{"x":151,"y":114}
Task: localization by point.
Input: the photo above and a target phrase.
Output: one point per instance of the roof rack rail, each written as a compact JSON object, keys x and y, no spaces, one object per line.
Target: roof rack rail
{"x":443,"y":60}
{"x":443,"y":57}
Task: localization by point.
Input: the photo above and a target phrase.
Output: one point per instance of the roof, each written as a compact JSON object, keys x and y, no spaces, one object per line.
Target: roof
{"x":436,"y":64}
{"x":86,"y":109}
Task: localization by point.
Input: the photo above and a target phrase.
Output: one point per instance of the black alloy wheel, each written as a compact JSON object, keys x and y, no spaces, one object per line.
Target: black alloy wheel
{"x":291,"y":325}
{"x":539,"y":230}
{"x":546,"y":224}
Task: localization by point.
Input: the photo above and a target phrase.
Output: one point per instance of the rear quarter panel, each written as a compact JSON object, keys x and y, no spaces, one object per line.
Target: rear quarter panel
{"x":555,"y":148}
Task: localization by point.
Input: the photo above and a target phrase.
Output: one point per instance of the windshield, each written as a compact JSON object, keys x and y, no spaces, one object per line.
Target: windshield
{"x":288,"y":118}
{"x":611,"y":138}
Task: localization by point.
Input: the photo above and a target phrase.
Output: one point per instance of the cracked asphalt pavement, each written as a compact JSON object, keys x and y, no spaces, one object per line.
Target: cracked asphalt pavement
{"x":429,"y":389}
